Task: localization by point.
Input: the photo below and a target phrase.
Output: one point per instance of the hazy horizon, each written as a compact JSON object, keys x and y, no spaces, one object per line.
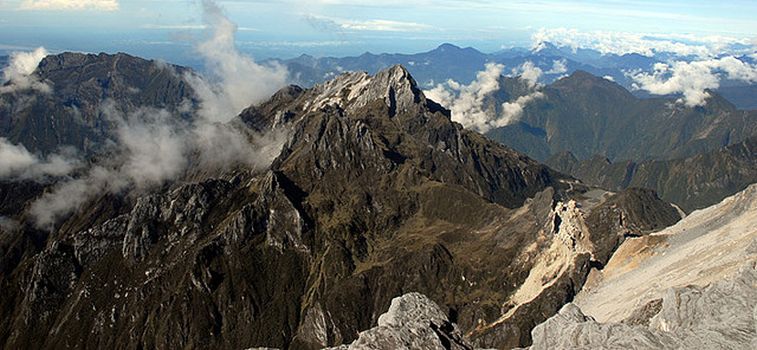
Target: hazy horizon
{"x":288,"y":28}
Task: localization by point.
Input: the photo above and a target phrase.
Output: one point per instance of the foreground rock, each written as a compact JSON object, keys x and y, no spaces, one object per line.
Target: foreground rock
{"x":413,"y":321}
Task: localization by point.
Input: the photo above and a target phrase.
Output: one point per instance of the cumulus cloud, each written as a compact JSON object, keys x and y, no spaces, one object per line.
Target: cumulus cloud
{"x":621,"y":43}
{"x":512,"y":111}
{"x":101,"y":5}
{"x":692,"y":79}
{"x":609,"y":78}
{"x":467,"y":101}
{"x":529,"y":72}
{"x":558,"y":67}
{"x":19,"y":74}
{"x":16,"y":162}
{"x":234,"y":81}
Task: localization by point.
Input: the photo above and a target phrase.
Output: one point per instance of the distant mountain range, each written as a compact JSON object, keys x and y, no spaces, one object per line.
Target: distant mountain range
{"x":461,"y":64}
{"x":693,"y":183}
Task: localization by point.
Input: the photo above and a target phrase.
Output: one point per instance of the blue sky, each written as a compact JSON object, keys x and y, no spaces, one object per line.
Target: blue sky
{"x":285,"y":28}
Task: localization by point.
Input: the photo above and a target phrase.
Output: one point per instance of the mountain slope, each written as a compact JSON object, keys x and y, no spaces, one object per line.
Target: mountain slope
{"x":692,"y":183}
{"x":375,"y":193}
{"x":588,"y":115}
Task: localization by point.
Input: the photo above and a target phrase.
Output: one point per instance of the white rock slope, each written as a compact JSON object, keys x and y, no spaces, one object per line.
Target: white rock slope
{"x":690,"y":286}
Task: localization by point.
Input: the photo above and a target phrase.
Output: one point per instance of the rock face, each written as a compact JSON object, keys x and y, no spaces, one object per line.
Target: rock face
{"x":689,"y":286}
{"x":413,"y":321}
{"x":376,"y":193}
{"x":692,"y":183}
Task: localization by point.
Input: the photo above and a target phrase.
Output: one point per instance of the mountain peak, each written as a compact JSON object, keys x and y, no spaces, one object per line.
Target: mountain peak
{"x":448,"y":47}
{"x":584,"y":81}
{"x":353,"y":90}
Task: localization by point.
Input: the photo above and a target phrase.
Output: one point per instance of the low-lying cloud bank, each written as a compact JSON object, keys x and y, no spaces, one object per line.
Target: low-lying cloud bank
{"x":19,"y":74}
{"x":693,"y":79}
{"x":467,"y":102}
{"x":155,"y":146}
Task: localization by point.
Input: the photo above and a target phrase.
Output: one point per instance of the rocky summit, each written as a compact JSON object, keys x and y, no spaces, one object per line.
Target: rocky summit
{"x":375,"y":193}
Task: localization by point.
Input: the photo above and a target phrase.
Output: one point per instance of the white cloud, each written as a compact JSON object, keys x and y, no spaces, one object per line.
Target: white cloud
{"x":621,"y":43}
{"x":609,"y":78}
{"x":692,"y":78}
{"x":17,"y":162}
{"x":558,"y":67}
{"x":529,"y":72}
{"x":466,"y":102}
{"x":19,"y":74}
{"x":236,"y":81}
{"x":100,"y":5}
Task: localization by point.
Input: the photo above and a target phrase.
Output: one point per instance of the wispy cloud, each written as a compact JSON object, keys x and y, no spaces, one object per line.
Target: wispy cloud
{"x":325,"y":43}
{"x":100,"y":5}
{"x":235,"y":81}
{"x":18,"y":163}
{"x":190,"y":27}
{"x":375,"y":25}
